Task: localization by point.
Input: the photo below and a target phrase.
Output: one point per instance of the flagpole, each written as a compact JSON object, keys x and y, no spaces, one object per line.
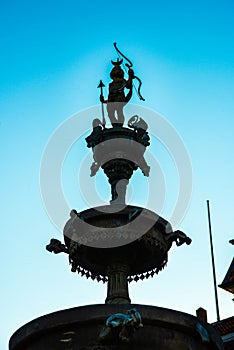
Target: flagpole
{"x":213,"y":262}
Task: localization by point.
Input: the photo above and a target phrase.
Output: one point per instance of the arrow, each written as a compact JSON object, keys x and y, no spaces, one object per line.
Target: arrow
{"x":101,"y":85}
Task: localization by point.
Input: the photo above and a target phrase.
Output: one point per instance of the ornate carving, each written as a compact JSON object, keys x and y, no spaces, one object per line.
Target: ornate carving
{"x":119,"y":145}
{"x":179,"y":237}
{"x":56,"y":247}
{"x":121,"y":327}
{"x":140,"y":127}
{"x":73,"y":255}
{"x":97,"y":135}
{"x":119,"y":171}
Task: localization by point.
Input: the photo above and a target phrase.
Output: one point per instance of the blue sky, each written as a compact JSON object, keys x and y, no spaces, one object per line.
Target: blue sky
{"x":53,"y":56}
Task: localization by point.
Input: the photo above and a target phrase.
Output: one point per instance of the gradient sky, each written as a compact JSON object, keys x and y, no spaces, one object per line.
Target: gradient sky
{"x":53,"y":56}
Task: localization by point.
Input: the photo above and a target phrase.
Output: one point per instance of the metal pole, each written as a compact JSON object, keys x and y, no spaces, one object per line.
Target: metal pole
{"x":213,"y":262}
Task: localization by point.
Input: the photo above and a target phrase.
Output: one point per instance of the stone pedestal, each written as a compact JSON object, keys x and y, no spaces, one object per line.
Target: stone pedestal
{"x":79,"y":328}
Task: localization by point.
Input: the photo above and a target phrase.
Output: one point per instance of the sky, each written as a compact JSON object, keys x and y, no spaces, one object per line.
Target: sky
{"x":52,"y":59}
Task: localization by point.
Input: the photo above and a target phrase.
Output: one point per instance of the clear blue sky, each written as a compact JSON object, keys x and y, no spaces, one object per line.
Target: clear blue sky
{"x":52,"y":58}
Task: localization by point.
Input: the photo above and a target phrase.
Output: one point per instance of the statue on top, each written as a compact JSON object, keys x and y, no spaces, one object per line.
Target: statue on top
{"x":117,"y":98}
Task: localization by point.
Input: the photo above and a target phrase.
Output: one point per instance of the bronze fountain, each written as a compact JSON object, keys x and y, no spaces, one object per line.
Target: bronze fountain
{"x":116,"y":244}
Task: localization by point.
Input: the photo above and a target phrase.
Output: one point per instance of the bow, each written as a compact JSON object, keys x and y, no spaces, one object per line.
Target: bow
{"x":129,"y":65}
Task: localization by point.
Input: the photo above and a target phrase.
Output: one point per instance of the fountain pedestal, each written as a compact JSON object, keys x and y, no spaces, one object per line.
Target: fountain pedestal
{"x":79,"y":329}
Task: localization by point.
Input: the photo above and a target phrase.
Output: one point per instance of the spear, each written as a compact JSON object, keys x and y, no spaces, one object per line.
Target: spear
{"x":101,"y":85}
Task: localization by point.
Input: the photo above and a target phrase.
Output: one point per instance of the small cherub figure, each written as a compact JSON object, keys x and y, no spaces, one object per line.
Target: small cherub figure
{"x":116,"y":97}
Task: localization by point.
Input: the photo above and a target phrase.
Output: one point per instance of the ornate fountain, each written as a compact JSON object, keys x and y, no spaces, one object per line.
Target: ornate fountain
{"x":117,"y":244}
